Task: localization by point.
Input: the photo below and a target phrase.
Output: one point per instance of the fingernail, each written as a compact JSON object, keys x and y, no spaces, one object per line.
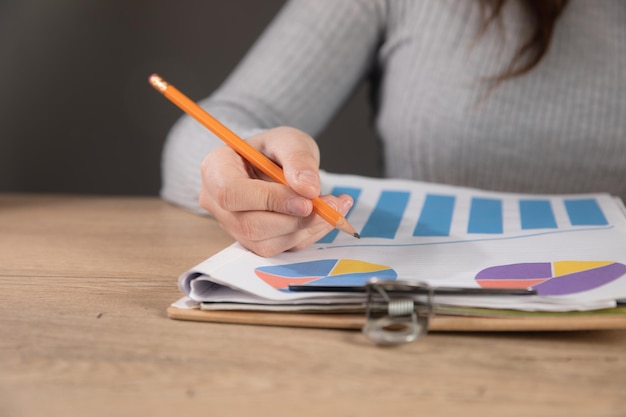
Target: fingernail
{"x":298,"y":206}
{"x":347,"y":205}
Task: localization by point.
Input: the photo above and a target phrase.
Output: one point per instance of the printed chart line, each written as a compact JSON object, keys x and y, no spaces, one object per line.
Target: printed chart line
{"x":448,"y":242}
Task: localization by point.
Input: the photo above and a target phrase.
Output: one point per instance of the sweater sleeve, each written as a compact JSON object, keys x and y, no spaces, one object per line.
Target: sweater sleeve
{"x":299,"y":72}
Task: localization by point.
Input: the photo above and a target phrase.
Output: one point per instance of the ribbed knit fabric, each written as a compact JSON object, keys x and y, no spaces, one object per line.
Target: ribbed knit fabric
{"x":560,"y":128}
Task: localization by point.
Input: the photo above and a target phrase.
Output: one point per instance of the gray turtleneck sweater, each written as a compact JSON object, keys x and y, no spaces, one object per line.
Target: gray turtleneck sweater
{"x":559,"y":128}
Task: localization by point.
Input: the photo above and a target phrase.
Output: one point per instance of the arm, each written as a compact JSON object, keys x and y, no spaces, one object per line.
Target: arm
{"x":299,"y":73}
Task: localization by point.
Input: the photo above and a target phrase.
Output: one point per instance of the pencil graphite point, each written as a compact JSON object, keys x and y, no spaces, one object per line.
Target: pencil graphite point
{"x":157,"y":82}
{"x":358,"y":236}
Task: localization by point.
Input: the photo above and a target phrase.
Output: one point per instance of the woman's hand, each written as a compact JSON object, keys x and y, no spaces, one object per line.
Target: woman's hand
{"x":266,"y":217}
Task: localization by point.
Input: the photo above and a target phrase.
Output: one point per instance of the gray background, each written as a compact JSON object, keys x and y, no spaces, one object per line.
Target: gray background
{"x":77,"y":114}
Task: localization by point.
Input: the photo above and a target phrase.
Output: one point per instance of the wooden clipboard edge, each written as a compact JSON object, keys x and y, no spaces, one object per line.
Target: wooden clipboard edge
{"x":324,"y":320}
{"x":438,"y":323}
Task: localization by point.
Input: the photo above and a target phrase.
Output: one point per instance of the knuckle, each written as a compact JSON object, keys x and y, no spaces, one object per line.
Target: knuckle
{"x":204,"y":201}
{"x":210,"y":160}
{"x":265,"y":250}
{"x":271,"y":203}
{"x":248,"y":229}
{"x":224,"y":196}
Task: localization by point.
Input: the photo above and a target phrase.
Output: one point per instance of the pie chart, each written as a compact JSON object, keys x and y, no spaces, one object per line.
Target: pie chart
{"x":552,"y":278}
{"x":323,"y":272}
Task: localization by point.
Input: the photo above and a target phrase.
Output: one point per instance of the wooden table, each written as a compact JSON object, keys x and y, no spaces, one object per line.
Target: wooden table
{"x":84,"y":285}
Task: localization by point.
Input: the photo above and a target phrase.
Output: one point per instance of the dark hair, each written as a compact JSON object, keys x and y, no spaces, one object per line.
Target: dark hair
{"x":542,"y":17}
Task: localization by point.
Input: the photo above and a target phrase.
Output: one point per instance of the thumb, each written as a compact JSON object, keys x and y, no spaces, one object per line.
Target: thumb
{"x":298,"y":155}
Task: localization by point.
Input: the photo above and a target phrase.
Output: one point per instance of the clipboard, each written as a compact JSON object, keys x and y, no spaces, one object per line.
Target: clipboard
{"x":503,"y":321}
{"x":507,"y":320}
{"x":391,"y":314}
{"x":566,"y":245}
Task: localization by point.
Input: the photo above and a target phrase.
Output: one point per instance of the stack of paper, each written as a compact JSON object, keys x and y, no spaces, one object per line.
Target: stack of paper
{"x":569,"y":248}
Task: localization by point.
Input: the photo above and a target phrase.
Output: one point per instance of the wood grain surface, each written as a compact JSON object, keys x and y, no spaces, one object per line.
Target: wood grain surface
{"x":84,"y":287}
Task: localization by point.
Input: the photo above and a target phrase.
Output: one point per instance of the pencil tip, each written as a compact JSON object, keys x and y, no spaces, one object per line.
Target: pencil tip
{"x":358,"y":236}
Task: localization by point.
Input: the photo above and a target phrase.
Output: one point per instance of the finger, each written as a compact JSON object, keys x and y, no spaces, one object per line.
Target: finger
{"x":314,"y":230}
{"x":258,"y":226}
{"x":256,"y":195}
{"x":273,"y":236}
{"x":297,"y":154}
{"x":228,"y":187}
{"x":341,"y":204}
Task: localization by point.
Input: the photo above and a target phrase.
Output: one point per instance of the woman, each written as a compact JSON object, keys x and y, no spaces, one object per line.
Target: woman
{"x":524,"y":96}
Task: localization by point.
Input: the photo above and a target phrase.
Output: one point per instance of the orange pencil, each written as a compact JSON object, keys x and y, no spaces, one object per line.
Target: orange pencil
{"x":243,"y":148}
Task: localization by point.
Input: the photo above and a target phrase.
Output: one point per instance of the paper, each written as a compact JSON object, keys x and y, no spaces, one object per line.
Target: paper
{"x":570,"y":248}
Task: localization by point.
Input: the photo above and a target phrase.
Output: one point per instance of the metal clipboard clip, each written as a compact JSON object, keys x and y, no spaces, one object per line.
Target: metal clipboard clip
{"x":399,"y":311}
{"x":392,"y":314}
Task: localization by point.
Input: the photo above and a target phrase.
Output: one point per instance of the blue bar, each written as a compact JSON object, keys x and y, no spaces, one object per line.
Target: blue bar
{"x":485,"y":216}
{"x":585,"y":212}
{"x":537,"y":214}
{"x":337,"y":191}
{"x":387,"y":215}
{"x":436,"y":216}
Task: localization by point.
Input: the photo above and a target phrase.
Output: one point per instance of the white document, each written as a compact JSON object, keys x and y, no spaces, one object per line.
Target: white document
{"x":570,"y":248}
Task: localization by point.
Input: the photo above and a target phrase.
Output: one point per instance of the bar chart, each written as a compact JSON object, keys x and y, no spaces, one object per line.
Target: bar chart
{"x":395,"y":214}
